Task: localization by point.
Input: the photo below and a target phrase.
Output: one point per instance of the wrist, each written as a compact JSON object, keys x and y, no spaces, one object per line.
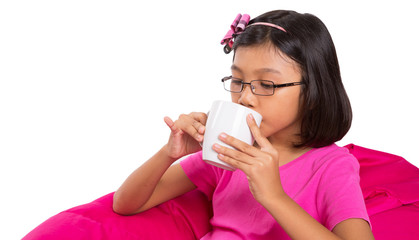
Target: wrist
{"x":274,"y":199}
{"x":165,"y":153}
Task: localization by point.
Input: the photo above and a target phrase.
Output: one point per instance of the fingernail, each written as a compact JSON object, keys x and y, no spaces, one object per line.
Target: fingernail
{"x":223,"y":136}
{"x":202,"y":129}
{"x":216,"y":146}
{"x":250,"y":116}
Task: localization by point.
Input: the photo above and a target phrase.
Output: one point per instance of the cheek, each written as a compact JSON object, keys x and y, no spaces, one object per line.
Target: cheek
{"x":265,"y":129}
{"x":273,"y":119}
{"x":235,"y":97}
{"x":280,"y":114}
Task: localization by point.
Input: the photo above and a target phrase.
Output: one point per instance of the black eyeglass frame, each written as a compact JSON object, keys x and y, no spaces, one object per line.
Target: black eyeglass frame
{"x":252,"y":86}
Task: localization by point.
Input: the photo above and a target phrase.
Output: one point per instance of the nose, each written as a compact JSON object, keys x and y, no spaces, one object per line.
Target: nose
{"x":247,"y":98}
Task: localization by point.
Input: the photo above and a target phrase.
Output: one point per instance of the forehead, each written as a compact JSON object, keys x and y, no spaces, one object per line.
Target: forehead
{"x":263,"y":58}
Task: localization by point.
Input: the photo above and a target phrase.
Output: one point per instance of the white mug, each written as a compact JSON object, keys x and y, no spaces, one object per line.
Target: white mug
{"x":230,"y":118}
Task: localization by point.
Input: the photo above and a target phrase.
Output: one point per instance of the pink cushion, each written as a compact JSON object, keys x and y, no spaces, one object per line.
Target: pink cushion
{"x":390,"y":186}
{"x":186,"y":217}
{"x":389,"y":183}
{"x":397,"y":223}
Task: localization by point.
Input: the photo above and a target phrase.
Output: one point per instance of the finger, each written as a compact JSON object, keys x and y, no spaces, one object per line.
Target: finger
{"x":261,"y":140}
{"x":201,"y":117}
{"x":200,"y":121}
{"x":234,"y":163}
{"x":169,"y":122}
{"x":238,"y":144}
{"x":232,"y":154}
{"x":186,"y":124}
{"x":199,"y":127}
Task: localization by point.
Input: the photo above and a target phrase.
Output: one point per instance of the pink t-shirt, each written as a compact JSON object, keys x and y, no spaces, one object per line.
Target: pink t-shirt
{"x":323,"y":181}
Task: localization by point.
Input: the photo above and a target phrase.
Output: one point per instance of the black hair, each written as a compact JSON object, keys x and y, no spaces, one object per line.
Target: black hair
{"x":325,"y":110}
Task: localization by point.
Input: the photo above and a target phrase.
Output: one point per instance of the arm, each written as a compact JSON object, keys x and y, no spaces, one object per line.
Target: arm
{"x":156,"y":181}
{"x":300,"y":225}
{"x":153,"y":183}
{"x":260,"y":164}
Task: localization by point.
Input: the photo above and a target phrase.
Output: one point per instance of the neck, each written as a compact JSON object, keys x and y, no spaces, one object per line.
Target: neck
{"x":285,"y":147}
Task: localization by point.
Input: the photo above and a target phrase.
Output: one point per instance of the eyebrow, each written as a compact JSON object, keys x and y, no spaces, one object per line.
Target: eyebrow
{"x":260,"y":70}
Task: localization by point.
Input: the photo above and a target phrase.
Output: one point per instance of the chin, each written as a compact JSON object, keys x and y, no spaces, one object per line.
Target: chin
{"x":264,"y":132}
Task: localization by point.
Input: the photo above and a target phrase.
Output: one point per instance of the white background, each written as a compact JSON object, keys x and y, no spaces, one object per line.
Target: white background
{"x":84,"y":86}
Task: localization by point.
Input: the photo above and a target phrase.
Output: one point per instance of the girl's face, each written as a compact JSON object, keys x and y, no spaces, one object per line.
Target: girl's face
{"x":280,"y":111}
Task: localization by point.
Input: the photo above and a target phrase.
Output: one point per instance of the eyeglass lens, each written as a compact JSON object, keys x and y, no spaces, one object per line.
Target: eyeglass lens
{"x":261,"y":87}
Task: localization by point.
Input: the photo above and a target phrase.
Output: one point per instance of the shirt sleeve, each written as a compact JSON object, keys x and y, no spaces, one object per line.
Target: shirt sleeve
{"x":203,"y":175}
{"x":340,"y":196}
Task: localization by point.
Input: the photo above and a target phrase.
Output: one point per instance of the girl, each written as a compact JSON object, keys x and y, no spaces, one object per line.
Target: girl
{"x":294,"y":182}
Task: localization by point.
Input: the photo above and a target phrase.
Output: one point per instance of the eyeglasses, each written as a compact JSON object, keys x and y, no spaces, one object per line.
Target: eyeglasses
{"x":258,"y":87}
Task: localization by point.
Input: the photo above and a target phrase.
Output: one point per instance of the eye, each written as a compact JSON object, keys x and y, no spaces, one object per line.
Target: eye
{"x":236,"y":81}
{"x":266,"y":84}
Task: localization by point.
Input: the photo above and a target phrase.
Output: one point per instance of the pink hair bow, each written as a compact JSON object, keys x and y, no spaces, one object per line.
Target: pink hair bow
{"x":237,"y":27}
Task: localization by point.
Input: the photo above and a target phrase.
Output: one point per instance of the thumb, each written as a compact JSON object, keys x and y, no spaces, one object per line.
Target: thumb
{"x":169,"y":122}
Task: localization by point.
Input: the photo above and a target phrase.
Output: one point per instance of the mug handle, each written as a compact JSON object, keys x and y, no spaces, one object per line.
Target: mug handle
{"x":202,"y":143}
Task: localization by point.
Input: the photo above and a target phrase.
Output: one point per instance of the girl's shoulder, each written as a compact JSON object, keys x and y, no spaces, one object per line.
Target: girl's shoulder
{"x":331,"y":156}
{"x":330,"y":151}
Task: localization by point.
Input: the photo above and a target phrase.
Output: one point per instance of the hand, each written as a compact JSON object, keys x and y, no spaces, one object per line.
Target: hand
{"x":187,"y":132}
{"x":259,"y":164}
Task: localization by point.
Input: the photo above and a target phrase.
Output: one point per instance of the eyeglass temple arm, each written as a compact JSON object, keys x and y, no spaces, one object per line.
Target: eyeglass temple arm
{"x":288,"y":84}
